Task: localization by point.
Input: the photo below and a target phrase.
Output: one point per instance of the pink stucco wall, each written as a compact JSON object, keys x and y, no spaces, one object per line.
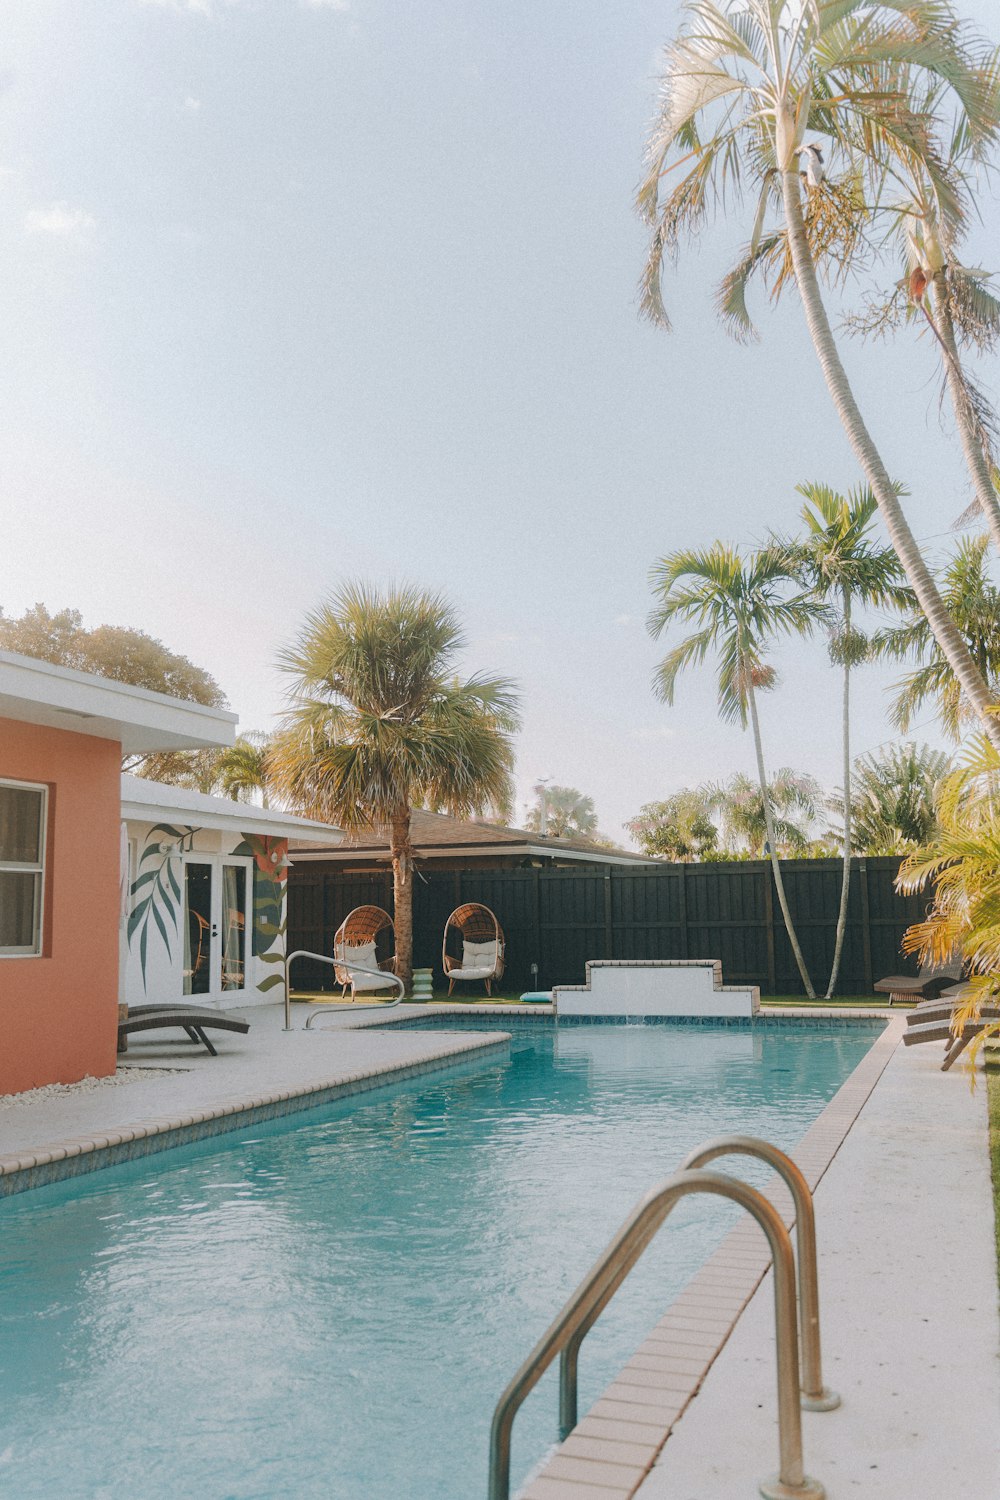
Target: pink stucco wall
{"x":58,"y":1012}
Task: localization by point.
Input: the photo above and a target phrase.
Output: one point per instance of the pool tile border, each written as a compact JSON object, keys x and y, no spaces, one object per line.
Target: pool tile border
{"x":611,"y":1450}
{"x":78,"y":1155}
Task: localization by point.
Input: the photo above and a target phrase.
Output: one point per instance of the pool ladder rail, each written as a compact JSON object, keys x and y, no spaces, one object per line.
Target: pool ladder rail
{"x":797,"y":1387}
{"x":324,"y":958}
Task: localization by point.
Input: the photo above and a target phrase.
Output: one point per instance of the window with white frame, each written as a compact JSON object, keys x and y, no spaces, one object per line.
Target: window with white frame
{"x":23,"y":809}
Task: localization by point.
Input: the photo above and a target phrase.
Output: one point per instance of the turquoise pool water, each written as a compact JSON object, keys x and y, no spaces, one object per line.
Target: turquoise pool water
{"x":329,"y":1305}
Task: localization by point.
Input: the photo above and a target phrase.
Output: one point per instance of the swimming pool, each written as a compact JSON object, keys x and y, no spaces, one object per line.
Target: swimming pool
{"x":330,"y":1304}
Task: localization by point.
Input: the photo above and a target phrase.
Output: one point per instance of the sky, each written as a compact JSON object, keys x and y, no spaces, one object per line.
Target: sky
{"x":302,"y":291}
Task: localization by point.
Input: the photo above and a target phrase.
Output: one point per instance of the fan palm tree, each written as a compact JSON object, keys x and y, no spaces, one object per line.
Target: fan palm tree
{"x":843,"y":566}
{"x":561,"y":812}
{"x":892,"y":798}
{"x":973,"y":600}
{"x":379,"y":720}
{"x":244,"y":768}
{"x":743,"y":86}
{"x":744,"y":809}
{"x":737,"y":607}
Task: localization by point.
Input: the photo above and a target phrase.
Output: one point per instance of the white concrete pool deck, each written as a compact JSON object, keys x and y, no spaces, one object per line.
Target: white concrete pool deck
{"x":265,"y":1067}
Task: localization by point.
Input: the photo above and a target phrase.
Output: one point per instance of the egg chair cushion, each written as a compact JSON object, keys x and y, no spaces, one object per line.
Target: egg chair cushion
{"x":479,"y":956}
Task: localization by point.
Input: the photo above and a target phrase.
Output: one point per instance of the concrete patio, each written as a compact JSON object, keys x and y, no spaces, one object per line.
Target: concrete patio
{"x":266,"y":1067}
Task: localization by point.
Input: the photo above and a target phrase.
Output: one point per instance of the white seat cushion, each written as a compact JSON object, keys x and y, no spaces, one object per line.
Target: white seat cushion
{"x":478,"y":955}
{"x":482,"y":972}
{"x":363,"y":955}
{"x":374,"y":981}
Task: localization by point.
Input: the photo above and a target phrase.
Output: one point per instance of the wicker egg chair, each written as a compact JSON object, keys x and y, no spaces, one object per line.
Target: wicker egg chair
{"x":481,"y":938}
{"x":356,"y":942}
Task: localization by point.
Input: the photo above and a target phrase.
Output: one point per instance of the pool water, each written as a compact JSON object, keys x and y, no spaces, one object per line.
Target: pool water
{"x":329,"y":1305}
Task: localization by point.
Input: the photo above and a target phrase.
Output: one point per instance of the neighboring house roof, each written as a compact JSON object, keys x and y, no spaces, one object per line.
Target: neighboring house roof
{"x":435,"y":835}
{"x":145,"y":801}
{"x":36,"y":692}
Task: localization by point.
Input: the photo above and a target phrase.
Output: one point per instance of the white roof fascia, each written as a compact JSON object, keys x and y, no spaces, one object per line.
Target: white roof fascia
{"x":36,"y":692}
{"x":345,"y":854}
{"x":154,"y":802}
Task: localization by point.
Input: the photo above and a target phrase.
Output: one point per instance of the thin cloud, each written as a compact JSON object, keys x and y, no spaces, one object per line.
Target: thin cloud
{"x":61,"y":222}
{"x":341,"y":5}
{"x":191,"y":105}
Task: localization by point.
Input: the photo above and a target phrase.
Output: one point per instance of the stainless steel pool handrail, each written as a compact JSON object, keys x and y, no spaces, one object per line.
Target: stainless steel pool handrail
{"x":324,"y":958}
{"x":603,"y":1280}
{"x":815,"y":1395}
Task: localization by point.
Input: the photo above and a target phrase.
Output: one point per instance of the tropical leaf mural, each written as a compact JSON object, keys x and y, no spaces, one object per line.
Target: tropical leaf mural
{"x":270,"y":876}
{"x":158,"y":901}
{"x":156,"y":891}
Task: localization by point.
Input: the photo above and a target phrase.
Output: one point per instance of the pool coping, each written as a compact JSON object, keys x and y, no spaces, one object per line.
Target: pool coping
{"x":611,"y":1451}
{"x":75,"y":1156}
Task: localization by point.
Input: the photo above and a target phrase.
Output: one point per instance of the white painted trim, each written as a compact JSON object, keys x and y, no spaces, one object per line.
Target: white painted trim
{"x":20,"y":868}
{"x":36,"y":692}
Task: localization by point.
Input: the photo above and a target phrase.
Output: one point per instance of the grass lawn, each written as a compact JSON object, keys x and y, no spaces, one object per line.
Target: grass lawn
{"x":321,"y":996}
{"x":846,"y":1000}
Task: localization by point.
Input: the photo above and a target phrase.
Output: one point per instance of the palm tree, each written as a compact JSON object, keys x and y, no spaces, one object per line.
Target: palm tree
{"x":973,"y":600}
{"x":939,"y":292}
{"x":744,"y":811}
{"x":562,"y":812}
{"x":743,"y":87}
{"x":379,"y":720}
{"x":737,"y":607}
{"x":843,"y":566}
{"x":962,"y":860}
{"x":892,"y":801}
{"x":244,"y":768}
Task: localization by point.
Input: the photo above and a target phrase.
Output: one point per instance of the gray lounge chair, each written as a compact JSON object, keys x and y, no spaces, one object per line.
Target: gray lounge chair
{"x":933,"y":1023}
{"x":193,"y":1019}
{"x":927,"y":985}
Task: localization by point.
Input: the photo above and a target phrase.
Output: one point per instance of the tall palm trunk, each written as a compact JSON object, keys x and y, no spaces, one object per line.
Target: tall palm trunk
{"x":965,"y":417}
{"x":946,"y":634}
{"x":845,"y":883}
{"x":402,"y":894}
{"x":779,"y":884}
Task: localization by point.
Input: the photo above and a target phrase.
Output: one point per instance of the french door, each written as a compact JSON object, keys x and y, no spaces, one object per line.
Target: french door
{"x":217,"y":897}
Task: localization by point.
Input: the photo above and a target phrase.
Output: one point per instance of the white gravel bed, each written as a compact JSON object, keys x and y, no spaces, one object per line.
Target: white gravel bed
{"x":88,"y":1085}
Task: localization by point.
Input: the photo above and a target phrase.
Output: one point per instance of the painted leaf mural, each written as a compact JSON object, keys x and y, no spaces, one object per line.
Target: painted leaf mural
{"x":270,"y":876}
{"x":157,"y":902}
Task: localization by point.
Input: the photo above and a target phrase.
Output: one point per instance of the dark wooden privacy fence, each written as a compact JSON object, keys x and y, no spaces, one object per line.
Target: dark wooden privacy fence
{"x":559,"y":919}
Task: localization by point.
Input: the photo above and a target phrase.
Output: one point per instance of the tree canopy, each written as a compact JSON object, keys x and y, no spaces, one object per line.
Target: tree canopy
{"x":115,"y":651}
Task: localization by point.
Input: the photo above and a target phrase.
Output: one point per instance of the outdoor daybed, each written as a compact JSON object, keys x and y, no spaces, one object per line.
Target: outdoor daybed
{"x":194,"y":1019}
{"x":482,"y":946}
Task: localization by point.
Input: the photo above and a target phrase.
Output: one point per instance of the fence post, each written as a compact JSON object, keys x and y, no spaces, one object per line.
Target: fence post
{"x":866,"y":927}
{"x":682,"y":904}
{"x":772,"y":973}
{"x":609,"y":931}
